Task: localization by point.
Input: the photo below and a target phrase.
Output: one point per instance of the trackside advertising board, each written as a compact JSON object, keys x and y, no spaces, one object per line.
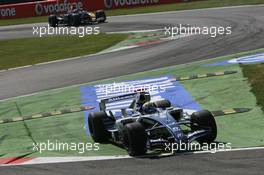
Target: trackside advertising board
{"x":41,"y":8}
{"x":159,"y":87}
{"x":44,"y":8}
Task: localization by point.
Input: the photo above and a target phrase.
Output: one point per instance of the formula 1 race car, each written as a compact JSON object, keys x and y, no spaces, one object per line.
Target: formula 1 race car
{"x":77,"y":17}
{"x":148,"y":125}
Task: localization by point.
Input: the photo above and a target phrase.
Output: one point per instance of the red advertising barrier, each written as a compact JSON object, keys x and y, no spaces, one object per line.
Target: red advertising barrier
{"x":112,"y":4}
{"x":43,"y":8}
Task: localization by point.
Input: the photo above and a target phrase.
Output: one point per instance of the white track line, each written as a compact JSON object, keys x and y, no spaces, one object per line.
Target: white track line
{"x":119,"y":49}
{"x":50,"y":160}
{"x":230,"y":150}
{"x":42,"y":160}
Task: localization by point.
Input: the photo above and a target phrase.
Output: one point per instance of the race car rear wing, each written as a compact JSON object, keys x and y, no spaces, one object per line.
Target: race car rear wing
{"x":103,"y":102}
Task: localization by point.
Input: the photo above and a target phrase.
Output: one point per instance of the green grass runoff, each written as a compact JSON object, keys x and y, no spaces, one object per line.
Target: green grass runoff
{"x":30,"y":51}
{"x":214,"y":93}
{"x":255,"y":75}
{"x":150,"y":9}
{"x":30,"y":20}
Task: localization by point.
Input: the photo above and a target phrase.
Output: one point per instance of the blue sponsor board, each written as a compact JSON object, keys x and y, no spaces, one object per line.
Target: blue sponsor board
{"x":164,"y":87}
{"x":258,"y":58}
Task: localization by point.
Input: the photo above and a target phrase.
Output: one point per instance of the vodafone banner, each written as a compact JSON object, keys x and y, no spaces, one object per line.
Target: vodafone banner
{"x":44,"y":8}
{"x":41,"y":8}
{"x":110,"y":4}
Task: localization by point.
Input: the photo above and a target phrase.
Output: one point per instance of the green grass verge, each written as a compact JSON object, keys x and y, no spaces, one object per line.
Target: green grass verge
{"x":156,"y":8}
{"x":30,"y":20}
{"x":255,"y":75}
{"x":37,"y":50}
{"x":211,"y":93}
{"x":16,"y":140}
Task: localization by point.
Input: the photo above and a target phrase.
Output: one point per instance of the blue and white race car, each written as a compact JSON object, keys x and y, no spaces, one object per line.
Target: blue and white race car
{"x":148,"y":125}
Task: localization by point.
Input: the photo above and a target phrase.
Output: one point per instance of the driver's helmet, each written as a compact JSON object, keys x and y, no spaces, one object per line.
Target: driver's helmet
{"x":149,"y":108}
{"x":70,"y":8}
{"x":73,"y":9}
{"x":143,"y":97}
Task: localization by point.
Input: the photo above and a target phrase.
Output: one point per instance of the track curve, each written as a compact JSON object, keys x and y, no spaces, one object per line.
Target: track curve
{"x":247,"y":33}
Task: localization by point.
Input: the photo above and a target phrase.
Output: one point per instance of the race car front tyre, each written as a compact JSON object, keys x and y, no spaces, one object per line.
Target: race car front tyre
{"x":100,"y":16}
{"x":162,"y":104}
{"x":135,"y":139}
{"x":53,"y":21}
{"x":97,"y":128}
{"x":75,"y":20}
{"x":204,"y":120}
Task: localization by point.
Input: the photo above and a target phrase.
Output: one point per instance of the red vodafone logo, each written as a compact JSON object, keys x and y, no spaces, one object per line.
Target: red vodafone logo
{"x":41,"y":8}
{"x":121,"y":3}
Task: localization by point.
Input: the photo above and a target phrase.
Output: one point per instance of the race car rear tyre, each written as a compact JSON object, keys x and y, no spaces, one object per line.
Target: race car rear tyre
{"x":100,"y":16}
{"x":53,"y":22}
{"x":135,"y":139}
{"x":75,"y":20}
{"x":204,"y":120}
{"x":97,"y":128}
{"x":162,"y":104}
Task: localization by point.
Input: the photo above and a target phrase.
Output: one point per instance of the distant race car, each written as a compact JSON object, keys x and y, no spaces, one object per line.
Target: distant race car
{"x":147,"y":125}
{"x":77,"y":17}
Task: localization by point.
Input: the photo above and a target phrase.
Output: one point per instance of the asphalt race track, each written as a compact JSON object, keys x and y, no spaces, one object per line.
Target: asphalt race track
{"x":247,"y":34}
{"x":237,"y":162}
{"x":247,"y":24}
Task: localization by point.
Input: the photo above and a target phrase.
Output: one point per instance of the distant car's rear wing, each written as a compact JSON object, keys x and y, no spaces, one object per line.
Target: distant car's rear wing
{"x":103,"y":102}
